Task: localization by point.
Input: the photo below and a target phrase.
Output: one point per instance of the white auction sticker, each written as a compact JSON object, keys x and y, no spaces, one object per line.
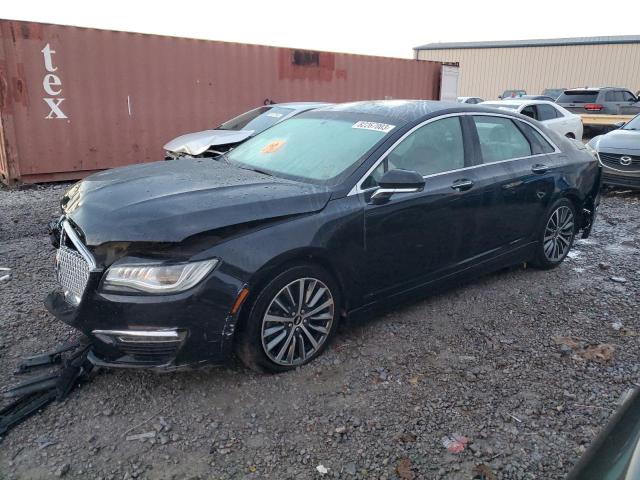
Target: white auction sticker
{"x":378,"y":127}
{"x":274,"y":115}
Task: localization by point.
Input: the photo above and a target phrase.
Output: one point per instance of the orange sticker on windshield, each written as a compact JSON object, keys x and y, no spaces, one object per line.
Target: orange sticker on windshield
{"x":273,"y":146}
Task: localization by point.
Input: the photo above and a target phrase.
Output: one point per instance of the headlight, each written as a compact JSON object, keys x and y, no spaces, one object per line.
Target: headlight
{"x":155,"y":278}
{"x":592,"y":150}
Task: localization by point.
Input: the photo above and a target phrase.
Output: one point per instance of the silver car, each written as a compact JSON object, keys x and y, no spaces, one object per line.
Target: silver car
{"x":211,"y":143}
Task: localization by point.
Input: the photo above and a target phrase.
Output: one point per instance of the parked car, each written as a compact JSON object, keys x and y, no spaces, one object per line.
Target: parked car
{"x":512,"y":94}
{"x":600,"y":100}
{"x":619,"y":154}
{"x":552,"y":115}
{"x":470,"y":100}
{"x":553,"y":92}
{"x":211,"y":143}
{"x":325,"y":215}
{"x":536,"y":97}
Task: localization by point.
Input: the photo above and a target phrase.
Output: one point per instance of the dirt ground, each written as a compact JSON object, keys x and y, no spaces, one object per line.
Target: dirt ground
{"x":481,"y":361}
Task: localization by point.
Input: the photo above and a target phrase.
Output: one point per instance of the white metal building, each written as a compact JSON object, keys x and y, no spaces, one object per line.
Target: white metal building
{"x":489,"y":68}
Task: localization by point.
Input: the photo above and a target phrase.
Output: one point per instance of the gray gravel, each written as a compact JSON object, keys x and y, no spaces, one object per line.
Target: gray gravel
{"x":481,"y":361}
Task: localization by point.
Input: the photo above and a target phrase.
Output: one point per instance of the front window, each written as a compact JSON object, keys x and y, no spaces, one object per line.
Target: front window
{"x":258,"y":119}
{"x":314,"y":148}
{"x":437,"y":147}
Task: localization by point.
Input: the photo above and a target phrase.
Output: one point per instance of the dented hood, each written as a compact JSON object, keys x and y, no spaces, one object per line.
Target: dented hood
{"x":198,"y":142}
{"x":170,"y":201}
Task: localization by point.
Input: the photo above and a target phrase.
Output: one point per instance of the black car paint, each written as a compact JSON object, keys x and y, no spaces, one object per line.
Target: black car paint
{"x":376,"y":252}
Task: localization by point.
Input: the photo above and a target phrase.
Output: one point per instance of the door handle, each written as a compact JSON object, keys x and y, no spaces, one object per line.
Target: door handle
{"x":539,"y":168}
{"x":462,"y":185}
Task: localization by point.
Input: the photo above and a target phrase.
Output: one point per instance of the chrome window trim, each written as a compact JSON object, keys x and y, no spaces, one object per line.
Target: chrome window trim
{"x":73,"y":236}
{"x":357,"y":188}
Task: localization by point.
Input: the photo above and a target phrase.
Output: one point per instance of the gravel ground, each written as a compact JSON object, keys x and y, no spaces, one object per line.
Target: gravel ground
{"x":481,"y":361}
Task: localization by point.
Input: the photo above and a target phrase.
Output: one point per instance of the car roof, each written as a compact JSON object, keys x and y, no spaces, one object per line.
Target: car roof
{"x":403,"y":110}
{"x":594,"y":89}
{"x":300,"y":105}
{"x":523,"y":101}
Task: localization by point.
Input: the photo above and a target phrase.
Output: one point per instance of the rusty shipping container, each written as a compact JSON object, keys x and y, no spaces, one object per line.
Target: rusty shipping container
{"x":77,"y":100}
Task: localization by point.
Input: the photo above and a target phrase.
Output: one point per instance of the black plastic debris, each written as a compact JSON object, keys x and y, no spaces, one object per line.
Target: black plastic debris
{"x":37,"y":391}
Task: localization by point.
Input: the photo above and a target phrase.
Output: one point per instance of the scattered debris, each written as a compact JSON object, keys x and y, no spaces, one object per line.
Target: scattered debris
{"x":36,"y":392}
{"x":414,"y":380}
{"x":5,"y":274}
{"x":142,"y":436}
{"x":455,"y":443}
{"x":483,"y":472}
{"x":515,"y":418}
{"x":322,"y":469}
{"x":617,"y":326}
{"x":44,"y":442}
{"x":618,"y":279}
{"x":604,"y":266}
{"x":404,"y":469}
{"x":602,"y":352}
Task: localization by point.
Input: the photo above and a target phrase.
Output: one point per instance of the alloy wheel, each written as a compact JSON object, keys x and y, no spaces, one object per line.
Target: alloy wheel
{"x":297,"y":322}
{"x":558,"y":234}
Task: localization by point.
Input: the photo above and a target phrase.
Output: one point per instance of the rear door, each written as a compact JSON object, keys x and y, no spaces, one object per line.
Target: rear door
{"x":515,"y":175}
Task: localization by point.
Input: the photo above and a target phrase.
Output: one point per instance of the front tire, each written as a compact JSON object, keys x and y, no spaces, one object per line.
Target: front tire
{"x":556,"y":234}
{"x":291,"y":321}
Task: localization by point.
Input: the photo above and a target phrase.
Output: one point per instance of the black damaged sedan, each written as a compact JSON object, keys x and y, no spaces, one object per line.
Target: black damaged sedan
{"x":265,"y":250}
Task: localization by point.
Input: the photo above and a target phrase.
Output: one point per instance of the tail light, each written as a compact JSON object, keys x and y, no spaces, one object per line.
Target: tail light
{"x":593,"y":107}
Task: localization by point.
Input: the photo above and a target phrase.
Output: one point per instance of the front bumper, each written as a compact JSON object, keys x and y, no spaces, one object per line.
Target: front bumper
{"x":618,"y":179}
{"x":155,"y":331}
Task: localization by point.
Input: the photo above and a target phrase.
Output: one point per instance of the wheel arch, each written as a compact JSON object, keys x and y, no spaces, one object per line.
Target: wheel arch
{"x":277,"y":265}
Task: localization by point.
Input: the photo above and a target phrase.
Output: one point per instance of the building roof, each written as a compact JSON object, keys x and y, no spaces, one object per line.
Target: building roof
{"x":546,"y":42}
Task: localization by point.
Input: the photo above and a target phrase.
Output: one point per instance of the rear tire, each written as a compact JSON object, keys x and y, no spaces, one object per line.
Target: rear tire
{"x":291,"y":321}
{"x":556,"y":234}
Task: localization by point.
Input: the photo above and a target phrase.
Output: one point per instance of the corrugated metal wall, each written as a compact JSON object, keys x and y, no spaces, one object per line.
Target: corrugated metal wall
{"x":74,"y":100}
{"x":487,"y":72}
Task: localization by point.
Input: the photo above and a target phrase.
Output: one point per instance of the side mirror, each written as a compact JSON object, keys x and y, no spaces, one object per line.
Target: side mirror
{"x":619,"y":124}
{"x":397,"y":181}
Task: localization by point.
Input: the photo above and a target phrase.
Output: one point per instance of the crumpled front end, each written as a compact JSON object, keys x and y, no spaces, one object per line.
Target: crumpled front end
{"x":162,"y":331}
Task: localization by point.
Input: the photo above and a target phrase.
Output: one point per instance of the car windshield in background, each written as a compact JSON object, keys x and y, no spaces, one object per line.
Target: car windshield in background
{"x":578,"y":96}
{"x":312,"y":148}
{"x":257,"y":120}
{"x":633,"y":124}
{"x":501,"y":105}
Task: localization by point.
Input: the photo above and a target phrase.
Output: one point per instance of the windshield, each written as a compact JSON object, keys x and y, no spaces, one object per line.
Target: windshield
{"x":311,"y":148}
{"x":578,"y":96}
{"x":633,"y":124}
{"x":257,"y":120}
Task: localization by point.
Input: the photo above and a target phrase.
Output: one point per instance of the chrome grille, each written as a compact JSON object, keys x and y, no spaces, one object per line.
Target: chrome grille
{"x":613,"y":160}
{"x":73,"y":273}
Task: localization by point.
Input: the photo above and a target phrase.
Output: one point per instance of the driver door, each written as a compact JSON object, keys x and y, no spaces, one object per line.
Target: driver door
{"x":419,"y":236}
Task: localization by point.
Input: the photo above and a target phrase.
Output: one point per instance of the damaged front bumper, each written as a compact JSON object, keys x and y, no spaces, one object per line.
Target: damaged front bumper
{"x":163,"y":332}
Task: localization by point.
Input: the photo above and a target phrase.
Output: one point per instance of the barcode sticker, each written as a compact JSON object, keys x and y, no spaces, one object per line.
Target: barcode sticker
{"x":378,"y":127}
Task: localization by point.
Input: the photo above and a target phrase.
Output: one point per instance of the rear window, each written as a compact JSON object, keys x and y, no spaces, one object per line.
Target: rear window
{"x":578,"y":96}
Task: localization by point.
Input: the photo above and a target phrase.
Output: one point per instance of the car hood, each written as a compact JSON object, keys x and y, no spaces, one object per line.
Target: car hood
{"x":198,"y":142}
{"x":171,"y":201}
{"x":620,"y":140}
